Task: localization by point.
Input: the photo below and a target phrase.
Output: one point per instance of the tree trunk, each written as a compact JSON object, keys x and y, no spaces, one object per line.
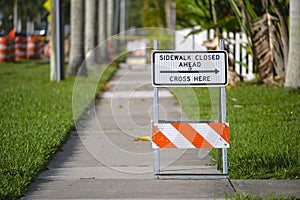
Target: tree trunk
{"x":29,"y":27}
{"x":168,"y":12}
{"x":53,"y":42}
{"x":90,"y":26}
{"x":284,"y":30}
{"x":215,"y":20}
{"x":110,"y":14}
{"x":102,"y":34}
{"x":292,"y":79}
{"x":123,"y":16}
{"x":102,"y":20}
{"x":116,"y":17}
{"x":76,"y":38}
{"x":16,"y":18}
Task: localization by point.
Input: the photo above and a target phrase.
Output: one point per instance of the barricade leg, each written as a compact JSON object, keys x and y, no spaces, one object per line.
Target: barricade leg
{"x":225,"y":164}
{"x":156,"y":161}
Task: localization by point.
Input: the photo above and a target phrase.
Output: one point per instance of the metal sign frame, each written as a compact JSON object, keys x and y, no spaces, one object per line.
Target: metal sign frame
{"x":222,"y":153}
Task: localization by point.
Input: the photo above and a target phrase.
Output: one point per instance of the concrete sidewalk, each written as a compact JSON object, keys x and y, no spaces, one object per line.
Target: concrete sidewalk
{"x":102,"y":160}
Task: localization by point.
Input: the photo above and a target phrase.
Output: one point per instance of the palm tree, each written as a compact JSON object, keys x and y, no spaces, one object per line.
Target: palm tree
{"x":76,"y":38}
{"x":292,"y":79}
{"x":268,"y":33}
{"x":102,"y":34}
{"x":90,"y":25}
{"x":109,"y":19}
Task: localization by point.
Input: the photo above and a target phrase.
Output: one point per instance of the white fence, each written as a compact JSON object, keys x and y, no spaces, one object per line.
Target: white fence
{"x":235,"y":43}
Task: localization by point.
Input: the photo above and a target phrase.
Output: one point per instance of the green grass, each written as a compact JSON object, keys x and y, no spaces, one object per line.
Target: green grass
{"x":266,"y":197}
{"x":264,"y":129}
{"x":35,"y":119}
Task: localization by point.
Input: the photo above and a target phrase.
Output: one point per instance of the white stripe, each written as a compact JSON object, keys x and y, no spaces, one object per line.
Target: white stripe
{"x":174,"y":136}
{"x":210,"y":135}
{"x":20,"y":53}
{"x":134,"y":94}
{"x":30,"y":45}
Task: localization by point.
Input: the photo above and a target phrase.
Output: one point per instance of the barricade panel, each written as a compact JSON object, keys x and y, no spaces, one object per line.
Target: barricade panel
{"x":190,"y":135}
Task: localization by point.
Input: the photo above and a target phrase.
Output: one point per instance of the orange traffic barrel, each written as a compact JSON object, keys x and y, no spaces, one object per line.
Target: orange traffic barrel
{"x":39,"y":48}
{"x":7,"y":46}
{"x":10,"y":49}
{"x":31,"y":47}
{"x":3,"y":48}
{"x":20,"y":47}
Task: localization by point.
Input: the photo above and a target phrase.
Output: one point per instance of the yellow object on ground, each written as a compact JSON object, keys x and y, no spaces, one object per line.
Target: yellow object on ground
{"x":143,"y":138}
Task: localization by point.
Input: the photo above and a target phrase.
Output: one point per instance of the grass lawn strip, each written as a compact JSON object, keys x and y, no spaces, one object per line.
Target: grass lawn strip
{"x":35,"y":119}
{"x":264,"y":128}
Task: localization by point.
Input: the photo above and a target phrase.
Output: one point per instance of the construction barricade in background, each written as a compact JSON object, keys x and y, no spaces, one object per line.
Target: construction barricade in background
{"x":11,"y":49}
{"x":40,"y":49}
{"x":20,"y":47}
{"x":35,"y":47}
{"x":31,"y":47}
{"x":6,"y":49}
{"x":3,"y":48}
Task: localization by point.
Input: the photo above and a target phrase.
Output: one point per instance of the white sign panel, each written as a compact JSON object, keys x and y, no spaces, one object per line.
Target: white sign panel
{"x":189,"y":68}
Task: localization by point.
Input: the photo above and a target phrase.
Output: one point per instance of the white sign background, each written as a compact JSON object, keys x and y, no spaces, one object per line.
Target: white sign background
{"x":189,"y":68}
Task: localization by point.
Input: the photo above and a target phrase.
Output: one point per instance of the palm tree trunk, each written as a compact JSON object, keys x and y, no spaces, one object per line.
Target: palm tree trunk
{"x":214,"y":18}
{"x":292,"y":79}
{"x":77,"y":38}
{"x":116,"y":17}
{"x":102,"y":33}
{"x":53,"y":43}
{"x":284,"y":30}
{"x":123,"y":18}
{"x":90,"y":25}
{"x":110,"y":14}
{"x":102,"y":20}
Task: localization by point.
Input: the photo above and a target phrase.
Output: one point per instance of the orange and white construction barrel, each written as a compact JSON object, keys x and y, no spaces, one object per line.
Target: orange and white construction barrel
{"x":10,"y":53}
{"x":31,"y":47}
{"x":3,"y":49}
{"x":20,"y":47}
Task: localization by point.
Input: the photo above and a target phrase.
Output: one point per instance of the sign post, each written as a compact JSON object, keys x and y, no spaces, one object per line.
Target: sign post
{"x":190,"y":69}
{"x":222,"y":119}
{"x":155,"y":118}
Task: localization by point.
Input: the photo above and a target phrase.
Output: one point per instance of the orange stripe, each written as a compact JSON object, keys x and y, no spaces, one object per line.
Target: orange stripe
{"x":160,"y":139}
{"x":192,"y":135}
{"x":222,"y":129}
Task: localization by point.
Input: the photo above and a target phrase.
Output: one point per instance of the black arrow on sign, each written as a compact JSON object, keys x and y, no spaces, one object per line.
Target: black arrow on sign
{"x":186,"y":71}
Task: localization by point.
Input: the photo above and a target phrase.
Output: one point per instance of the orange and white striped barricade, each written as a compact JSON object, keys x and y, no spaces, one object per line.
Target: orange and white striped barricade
{"x":31,"y":47}
{"x":190,"y":135}
{"x":39,"y":48}
{"x":10,"y":49}
{"x":7,"y":50}
{"x":20,"y":47}
{"x":191,"y":69}
{"x":3,"y":49}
